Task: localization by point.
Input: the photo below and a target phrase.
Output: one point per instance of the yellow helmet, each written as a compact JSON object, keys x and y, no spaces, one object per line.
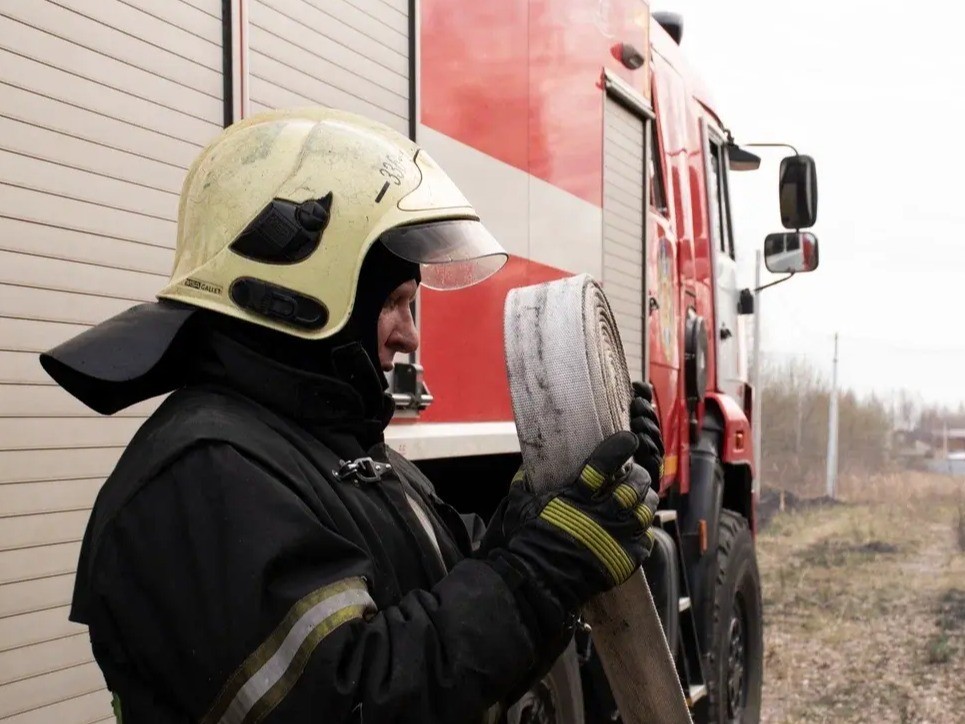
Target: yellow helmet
{"x":275,"y":219}
{"x":277,"y":214}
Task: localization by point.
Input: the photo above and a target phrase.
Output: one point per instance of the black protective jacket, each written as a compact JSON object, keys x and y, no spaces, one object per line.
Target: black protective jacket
{"x":229,"y":575}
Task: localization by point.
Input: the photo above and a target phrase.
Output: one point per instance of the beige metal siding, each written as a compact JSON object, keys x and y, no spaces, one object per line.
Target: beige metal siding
{"x":349,"y":54}
{"x":103,"y":105}
{"x":623,"y":215}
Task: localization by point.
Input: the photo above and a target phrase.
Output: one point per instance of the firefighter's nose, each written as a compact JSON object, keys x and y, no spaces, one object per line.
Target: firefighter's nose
{"x":406,"y":336}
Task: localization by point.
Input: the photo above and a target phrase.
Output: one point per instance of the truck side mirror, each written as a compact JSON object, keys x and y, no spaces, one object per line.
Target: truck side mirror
{"x":798,"y":188}
{"x":791,"y":253}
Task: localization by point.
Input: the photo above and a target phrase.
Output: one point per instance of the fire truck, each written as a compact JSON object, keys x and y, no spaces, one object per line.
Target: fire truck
{"x":588,"y":144}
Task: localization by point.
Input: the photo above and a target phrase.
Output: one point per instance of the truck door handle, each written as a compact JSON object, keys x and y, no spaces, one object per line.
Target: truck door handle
{"x":725,"y":333}
{"x":654,"y":305}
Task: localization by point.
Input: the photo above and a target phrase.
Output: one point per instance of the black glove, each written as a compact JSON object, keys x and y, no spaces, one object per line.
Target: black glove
{"x":569,"y":545}
{"x":645,"y":423}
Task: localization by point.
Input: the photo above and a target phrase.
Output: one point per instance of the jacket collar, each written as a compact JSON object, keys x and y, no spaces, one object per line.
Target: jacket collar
{"x":353,"y":403}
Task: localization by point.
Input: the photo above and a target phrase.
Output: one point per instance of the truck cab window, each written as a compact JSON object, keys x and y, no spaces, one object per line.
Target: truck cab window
{"x":658,"y":192}
{"x":719,"y":210}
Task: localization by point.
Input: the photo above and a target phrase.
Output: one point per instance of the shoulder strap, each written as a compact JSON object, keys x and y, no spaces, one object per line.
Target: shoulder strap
{"x":457,"y":524}
{"x":412,"y":474}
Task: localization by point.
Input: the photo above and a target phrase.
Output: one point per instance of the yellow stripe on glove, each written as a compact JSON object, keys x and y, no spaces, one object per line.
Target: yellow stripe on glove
{"x":588,"y":532}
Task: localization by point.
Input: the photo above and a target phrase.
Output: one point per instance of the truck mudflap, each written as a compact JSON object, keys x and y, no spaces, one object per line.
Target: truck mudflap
{"x":737,"y":445}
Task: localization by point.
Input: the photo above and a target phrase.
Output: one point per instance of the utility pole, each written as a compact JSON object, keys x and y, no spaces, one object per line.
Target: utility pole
{"x":799,"y":438}
{"x":945,"y":461}
{"x":758,"y":388}
{"x":833,"y":428}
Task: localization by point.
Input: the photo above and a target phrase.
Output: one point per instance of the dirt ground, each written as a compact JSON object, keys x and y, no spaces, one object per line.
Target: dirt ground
{"x":864,"y":604}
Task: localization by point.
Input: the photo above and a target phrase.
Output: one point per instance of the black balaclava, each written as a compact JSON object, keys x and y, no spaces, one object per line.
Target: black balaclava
{"x":382,"y":272}
{"x":338,"y":356}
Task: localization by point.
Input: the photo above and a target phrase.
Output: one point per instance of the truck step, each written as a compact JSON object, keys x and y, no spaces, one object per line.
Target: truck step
{"x":695,"y":694}
{"x":666,"y":516}
{"x":683,"y":604}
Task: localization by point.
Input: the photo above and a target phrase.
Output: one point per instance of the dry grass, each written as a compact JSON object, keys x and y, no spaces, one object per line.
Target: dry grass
{"x":864,"y":605}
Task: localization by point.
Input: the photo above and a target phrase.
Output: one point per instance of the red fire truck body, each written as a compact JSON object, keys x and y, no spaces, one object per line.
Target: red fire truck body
{"x":513,"y":102}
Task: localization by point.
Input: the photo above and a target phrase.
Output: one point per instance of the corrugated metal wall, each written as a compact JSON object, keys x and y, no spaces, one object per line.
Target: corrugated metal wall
{"x":623,"y":217}
{"x":353,"y":54}
{"x":103,"y":106}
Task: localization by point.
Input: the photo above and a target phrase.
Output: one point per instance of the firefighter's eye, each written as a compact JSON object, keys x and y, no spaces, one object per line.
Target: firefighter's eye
{"x":394,"y":301}
{"x":402,"y":296}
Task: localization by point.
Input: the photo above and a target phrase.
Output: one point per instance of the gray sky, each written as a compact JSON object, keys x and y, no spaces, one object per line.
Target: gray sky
{"x":873,"y":91}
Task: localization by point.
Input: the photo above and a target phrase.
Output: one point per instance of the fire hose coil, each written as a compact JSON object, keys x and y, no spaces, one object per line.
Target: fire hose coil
{"x":570,"y":389}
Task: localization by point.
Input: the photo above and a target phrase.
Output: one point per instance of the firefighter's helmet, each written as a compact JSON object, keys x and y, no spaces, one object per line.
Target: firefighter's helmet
{"x":277,"y":214}
{"x":276,"y":217}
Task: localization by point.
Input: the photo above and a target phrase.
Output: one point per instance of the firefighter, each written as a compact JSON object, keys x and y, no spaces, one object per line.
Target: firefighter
{"x":258,"y":553}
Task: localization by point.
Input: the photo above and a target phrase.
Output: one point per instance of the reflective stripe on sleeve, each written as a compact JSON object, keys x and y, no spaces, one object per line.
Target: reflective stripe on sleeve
{"x":267,"y":675}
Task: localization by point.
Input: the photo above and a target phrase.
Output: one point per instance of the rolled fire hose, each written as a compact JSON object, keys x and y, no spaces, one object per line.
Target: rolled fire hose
{"x":570,"y":389}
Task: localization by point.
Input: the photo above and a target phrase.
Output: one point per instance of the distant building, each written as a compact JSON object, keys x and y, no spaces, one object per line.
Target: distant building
{"x":911,"y":445}
{"x":955,"y":438}
{"x":949,"y":446}
{"x":954,"y":464}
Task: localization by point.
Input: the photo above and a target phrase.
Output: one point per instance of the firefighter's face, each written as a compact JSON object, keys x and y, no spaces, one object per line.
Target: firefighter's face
{"x":397,"y":330}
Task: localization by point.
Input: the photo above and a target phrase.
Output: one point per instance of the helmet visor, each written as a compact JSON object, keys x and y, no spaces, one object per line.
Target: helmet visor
{"x":453,"y":254}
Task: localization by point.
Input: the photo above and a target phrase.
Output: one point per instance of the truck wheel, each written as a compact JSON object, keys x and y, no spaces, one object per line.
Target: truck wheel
{"x":736,"y":657}
{"x":556,"y":699}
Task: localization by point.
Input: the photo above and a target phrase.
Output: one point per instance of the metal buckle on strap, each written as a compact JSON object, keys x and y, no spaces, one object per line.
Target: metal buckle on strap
{"x":362,"y":470}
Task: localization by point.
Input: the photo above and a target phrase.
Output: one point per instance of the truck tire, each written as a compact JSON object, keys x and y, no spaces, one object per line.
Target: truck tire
{"x":735,"y":669}
{"x":556,"y":699}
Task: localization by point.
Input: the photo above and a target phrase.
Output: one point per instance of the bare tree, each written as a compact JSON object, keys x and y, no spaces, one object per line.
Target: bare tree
{"x":795,"y":403}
